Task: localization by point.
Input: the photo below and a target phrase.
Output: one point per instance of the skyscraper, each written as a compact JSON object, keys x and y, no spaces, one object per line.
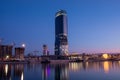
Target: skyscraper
{"x":5,"y":51}
{"x":61,"y":33}
{"x":19,"y":53}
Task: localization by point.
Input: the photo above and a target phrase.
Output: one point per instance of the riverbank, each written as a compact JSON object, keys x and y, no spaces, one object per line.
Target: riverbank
{"x":50,"y":61}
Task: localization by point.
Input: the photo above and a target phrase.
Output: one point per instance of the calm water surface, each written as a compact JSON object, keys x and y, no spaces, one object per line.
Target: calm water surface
{"x":71,"y":71}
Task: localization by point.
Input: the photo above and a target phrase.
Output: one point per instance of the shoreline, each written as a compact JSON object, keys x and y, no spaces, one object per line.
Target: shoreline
{"x":51,"y":61}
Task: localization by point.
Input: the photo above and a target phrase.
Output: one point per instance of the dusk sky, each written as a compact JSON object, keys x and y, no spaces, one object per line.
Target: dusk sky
{"x":93,"y":25}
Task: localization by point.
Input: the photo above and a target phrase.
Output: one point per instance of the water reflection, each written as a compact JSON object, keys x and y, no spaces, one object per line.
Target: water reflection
{"x":61,"y":72}
{"x":22,"y":77}
{"x":6,"y":69}
{"x":18,"y":71}
{"x":66,"y":71}
{"x":106,"y":66}
{"x":5,"y":72}
{"x":45,"y":71}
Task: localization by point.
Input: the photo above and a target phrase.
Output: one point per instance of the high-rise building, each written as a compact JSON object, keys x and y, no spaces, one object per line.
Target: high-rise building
{"x":5,"y":51}
{"x":61,"y":33}
{"x":19,"y":53}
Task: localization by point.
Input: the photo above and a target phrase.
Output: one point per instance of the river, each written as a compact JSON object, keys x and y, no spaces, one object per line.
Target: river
{"x":107,"y":70}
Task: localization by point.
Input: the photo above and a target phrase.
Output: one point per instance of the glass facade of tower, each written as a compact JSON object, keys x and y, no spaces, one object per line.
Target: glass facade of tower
{"x":61,"y":41}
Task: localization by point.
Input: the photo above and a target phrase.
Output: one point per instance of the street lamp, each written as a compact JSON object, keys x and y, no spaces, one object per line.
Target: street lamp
{"x":7,"y":57}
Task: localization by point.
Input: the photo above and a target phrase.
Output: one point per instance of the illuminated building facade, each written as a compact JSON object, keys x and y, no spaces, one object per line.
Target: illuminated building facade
{"x":5,"y":51}
{"x":61,"y":33}
{"x":19,"y":53}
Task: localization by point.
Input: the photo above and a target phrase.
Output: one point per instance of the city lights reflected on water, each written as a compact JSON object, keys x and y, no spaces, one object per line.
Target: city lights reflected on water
{"x":106,"y":66}
{"x":45,"y":71}
{"x":75,"y":66}
{"x":6,"y":69}
{"x":61,"y":71}
{"x":22,"y":76}
{"x":119,"y":62}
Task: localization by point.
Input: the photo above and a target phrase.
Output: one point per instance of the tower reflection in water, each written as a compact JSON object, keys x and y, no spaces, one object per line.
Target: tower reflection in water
{"x":5,"y":72}
{"x":11,"y":71}
{"x":57,"y":71}
{"x":18,"y":71}
{"x":45,"y":71}
{"x":60,"y":71}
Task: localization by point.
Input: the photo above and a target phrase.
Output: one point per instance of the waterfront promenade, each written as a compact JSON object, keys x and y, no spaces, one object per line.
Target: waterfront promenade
{"x":65,"y":59}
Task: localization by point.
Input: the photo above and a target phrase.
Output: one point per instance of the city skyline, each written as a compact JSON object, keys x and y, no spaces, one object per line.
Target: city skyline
{"x":93,"y":25}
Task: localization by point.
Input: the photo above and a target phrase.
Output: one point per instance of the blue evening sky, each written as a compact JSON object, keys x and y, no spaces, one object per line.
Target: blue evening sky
{"x":93,"y":25}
